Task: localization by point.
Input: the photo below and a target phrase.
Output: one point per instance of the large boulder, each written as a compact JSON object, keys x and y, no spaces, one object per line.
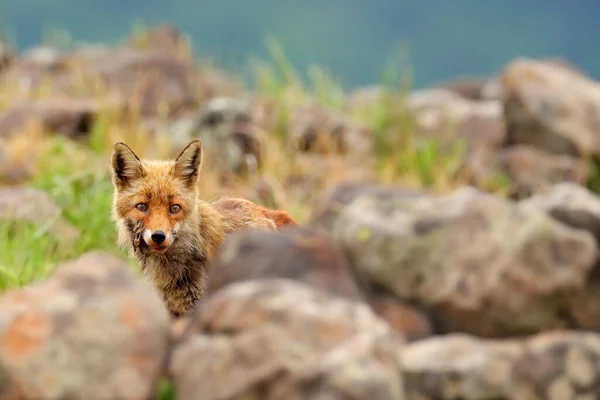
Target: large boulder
{"x":91,"y":331}
{"x":480,"y":263}
{"x":551,"y":107}
{"x":306,"y":255}
{"x":279,"y":339}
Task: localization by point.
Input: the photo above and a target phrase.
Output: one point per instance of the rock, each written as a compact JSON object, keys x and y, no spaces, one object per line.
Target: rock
{"x":314,"y":129}
{"x":569,"y":203}
{"x":35,"y":207}
{"x":551,"y":107}
{"x":69,"y":117}
{"x":150,"y":82}
{"x":91,"y":331}
{"x":460,"y":366}
{"x":303,"y":254}
{"x":279,"y":339}
{"x":226,"y":126}
{"x":579,"y":208}
{"x":550,"y":365}
{"x":231,"y":141}
{"x":558,"y":365}
{"x":447,"y":117}
{"x":481,"y":264}
{"x":296,"y":253}
{"x":530,"y":169}
{"x":38,"y":66}
{"x":328,"y":206}
{"x":402,"y":317}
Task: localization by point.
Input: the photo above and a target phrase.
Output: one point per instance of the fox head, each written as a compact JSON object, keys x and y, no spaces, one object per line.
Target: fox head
{"x":154,"y":200}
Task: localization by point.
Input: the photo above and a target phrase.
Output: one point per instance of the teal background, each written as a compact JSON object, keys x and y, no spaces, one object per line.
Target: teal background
{"x":352,"y":39}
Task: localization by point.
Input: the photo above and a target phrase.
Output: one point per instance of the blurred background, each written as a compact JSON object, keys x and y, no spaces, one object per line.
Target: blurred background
{"x":352,"y":39}
{"x":442,"y":154}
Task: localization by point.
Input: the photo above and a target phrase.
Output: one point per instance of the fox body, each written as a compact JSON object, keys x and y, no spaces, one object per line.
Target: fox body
{"x":172,"y":232}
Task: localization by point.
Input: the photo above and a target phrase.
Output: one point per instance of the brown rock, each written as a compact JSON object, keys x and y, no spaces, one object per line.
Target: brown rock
{"x":296,"y":253}
{"x":403,"y":318}
{"x":92,"y":331}
{"x":530,"y":169}
{"x":314,"y":129}
{"x":279,"y":339}
{"x":551,"y":107}
{"x":72,"y":118}
{"x":480,"y":263}
{"x":152,"y":82}
{"x":36,"y":207}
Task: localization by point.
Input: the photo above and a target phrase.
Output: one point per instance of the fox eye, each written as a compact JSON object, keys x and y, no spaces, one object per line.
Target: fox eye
{"x":142,"y":207}
{"x":175,"y":208}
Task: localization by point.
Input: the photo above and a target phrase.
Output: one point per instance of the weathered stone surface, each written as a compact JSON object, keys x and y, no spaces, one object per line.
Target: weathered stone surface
{"x":72,"y":118}
{"x":550,"y":365}
{"x":154,"y":82}
{"x":530,"y":169}
{"x":279,"y":339}
{"x":579,"y":208}
{"x":92,"y":331}
{"x":227,"y":127}
{"x":460,"y":366}
{"x":551,"y":107}
{"x":568,"y":203}
{"x":558,"y":365}
{"x":482,"y":264}
{"x":328,"y":206}
{"x":151,"y":82}
{"x":435,"y":108}
{"x":305,"y":255}
{"x":36,"y":207}
{"x":402,"y":317}
{"x":298,"y":254}
{"x":314,"y":129}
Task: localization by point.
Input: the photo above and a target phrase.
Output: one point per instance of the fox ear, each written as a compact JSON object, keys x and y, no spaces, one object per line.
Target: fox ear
{"x":187,"y":163}
{"x":126,"y":166}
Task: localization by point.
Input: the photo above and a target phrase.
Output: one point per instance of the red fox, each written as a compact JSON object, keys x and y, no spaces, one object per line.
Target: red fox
{"x":170,"y":231}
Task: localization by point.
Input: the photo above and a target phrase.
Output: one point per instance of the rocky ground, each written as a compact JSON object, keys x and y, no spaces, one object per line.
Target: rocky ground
{"x":448,"y":246}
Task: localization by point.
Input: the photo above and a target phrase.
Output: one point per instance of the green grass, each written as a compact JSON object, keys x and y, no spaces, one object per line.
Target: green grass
{"x":30,"y":252}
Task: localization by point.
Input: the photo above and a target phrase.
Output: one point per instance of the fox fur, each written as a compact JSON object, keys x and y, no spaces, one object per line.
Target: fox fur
{"x":171,"y":232}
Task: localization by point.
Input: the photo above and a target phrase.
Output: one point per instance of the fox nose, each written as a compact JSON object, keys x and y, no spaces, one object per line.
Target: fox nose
{"x":158,"y":237}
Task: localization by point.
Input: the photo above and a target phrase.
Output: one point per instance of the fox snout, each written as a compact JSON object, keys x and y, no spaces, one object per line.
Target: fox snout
{"x":159,"y":239}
